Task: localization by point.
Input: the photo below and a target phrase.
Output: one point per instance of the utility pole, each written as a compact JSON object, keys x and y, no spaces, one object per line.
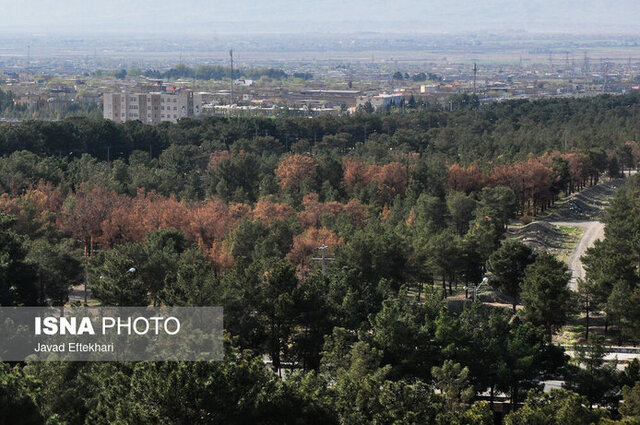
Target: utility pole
{"x":86,"y":272}
{"x":231,"y":56}
{"x":323,"y":258}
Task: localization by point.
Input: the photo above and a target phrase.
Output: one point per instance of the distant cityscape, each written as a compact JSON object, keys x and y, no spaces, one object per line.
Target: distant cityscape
{"x":383,"y":74}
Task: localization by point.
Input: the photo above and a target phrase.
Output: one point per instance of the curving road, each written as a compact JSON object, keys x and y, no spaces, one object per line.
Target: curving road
{"x":592,"y":231}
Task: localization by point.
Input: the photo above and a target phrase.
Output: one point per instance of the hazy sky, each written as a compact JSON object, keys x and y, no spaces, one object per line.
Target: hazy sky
{"x":299,"y":16}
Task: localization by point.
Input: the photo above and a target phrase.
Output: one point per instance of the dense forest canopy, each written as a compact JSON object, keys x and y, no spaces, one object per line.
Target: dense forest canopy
{"x":498,"y":132}
{"x":413,"y":208}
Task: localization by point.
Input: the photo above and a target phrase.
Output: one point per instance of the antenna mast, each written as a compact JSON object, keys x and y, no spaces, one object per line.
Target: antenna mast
{"x":475,"y":73}
{"x":586,"y":63}
{"x":606,"y":71}
{"x":231,"y":56}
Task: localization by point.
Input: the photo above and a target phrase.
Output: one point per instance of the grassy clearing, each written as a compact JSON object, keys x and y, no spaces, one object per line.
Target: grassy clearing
{"x":575,"y":330}
{"x":572,"y":236}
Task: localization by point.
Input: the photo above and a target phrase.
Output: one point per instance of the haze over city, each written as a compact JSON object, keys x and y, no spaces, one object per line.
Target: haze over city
{"x":287,"y":16}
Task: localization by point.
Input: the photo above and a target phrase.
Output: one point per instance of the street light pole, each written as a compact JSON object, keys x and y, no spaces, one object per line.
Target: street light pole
{"x":475,"y":288}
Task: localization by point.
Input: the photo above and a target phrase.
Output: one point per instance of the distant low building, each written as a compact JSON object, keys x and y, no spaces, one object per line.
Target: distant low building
{"x":152,"y":108}
{"x":261,"y":107}
{"x":58,"y":105}
{"x":381,"y":101}
{"x":243,"y":82}
{"x":429,"y":88}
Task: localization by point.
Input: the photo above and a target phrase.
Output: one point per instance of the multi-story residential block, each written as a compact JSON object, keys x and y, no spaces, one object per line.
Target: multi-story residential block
{"x":152,"y":108}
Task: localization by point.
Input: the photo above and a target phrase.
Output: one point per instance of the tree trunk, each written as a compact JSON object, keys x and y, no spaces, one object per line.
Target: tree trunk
{"x":619,"y":333}
{"x":275,"y":349}
{"x":587,"y":332}
{"x":491,"y":396}
{"x":42,"y":297}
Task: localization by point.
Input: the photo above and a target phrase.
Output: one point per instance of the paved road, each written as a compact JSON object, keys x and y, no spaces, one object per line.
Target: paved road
{"x":592,"y":231}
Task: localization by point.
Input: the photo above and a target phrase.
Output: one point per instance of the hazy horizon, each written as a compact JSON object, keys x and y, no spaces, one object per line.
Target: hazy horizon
{"x":329,"y":16}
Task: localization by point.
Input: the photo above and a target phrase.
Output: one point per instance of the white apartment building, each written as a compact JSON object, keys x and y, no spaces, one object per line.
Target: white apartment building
{"x":381,"y":101}
{"x":152,"y":108}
